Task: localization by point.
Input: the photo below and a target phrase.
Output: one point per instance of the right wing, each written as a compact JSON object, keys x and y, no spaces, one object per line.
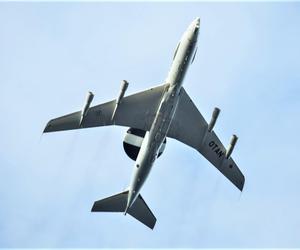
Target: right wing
{"x":189,"y":127}
{"x":136,"y":111}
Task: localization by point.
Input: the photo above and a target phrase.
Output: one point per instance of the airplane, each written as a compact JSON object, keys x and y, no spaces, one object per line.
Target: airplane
{"x":152,"y":116}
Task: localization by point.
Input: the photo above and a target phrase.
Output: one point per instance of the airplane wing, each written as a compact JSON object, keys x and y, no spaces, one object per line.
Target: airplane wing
{"x":137,"y":111}
{"x":189,"y":127}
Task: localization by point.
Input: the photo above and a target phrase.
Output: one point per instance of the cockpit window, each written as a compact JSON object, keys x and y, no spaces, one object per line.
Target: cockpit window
{"x":176,"y":50}
{"x":194,"y":55}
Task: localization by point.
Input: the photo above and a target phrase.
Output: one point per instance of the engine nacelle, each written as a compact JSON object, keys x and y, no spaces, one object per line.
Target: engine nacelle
{"x":88,"y":101}
{"x":213,"y":119}
{"x":133,"y":141}
{"x":123,"y":89}
{"x":230,"y":148}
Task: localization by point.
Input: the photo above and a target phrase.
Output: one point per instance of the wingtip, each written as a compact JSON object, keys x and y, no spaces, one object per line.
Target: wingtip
{"x":241,"y":187}
{"x":47,"y":128}
{"x":93,"y":207}
{"x":152,"y":227}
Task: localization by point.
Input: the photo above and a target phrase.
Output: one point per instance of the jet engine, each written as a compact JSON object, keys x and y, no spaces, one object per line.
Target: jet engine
{"x":133,"y":141}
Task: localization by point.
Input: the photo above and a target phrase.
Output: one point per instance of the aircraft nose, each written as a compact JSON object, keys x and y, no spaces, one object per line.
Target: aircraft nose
{"x":197,"y":22}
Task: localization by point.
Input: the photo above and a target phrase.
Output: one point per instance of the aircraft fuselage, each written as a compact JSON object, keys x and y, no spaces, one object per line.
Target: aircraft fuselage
{"x":154,"y":138}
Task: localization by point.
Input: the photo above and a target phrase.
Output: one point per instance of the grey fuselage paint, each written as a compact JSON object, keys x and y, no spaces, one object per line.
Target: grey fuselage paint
{"x":165,"y":113}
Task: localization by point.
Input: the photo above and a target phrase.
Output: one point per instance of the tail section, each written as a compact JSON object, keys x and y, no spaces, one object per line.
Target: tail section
{"x":117,"y":203}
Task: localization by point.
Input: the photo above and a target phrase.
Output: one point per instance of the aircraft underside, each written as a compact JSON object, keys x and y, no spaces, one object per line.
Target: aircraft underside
{"x":152,"y":116}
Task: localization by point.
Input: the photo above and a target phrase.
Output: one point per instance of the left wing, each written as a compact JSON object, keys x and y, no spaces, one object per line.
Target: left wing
{"x":189,"y":127}
{"x":136,"y":111}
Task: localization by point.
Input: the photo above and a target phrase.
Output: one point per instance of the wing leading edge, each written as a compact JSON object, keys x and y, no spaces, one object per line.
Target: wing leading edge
{"x":189,"y":127}
{"x":137,"y":111}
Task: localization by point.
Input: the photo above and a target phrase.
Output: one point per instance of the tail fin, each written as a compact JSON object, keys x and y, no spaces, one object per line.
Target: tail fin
{"x":117,"y":203}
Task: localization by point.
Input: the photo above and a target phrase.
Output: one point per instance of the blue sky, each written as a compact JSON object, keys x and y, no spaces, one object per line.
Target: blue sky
{"x":247,"y":64}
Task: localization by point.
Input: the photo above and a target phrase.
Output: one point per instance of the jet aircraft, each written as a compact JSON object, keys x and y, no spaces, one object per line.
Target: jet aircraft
{"x":152,"y":116}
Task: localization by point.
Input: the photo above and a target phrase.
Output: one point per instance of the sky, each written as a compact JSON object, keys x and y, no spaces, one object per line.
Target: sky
{"x":248,"y":65}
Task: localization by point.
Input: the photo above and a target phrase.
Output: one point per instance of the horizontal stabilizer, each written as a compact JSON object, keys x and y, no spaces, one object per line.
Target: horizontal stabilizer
{"x":142,"y":212}
{"x":117,"y":203}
